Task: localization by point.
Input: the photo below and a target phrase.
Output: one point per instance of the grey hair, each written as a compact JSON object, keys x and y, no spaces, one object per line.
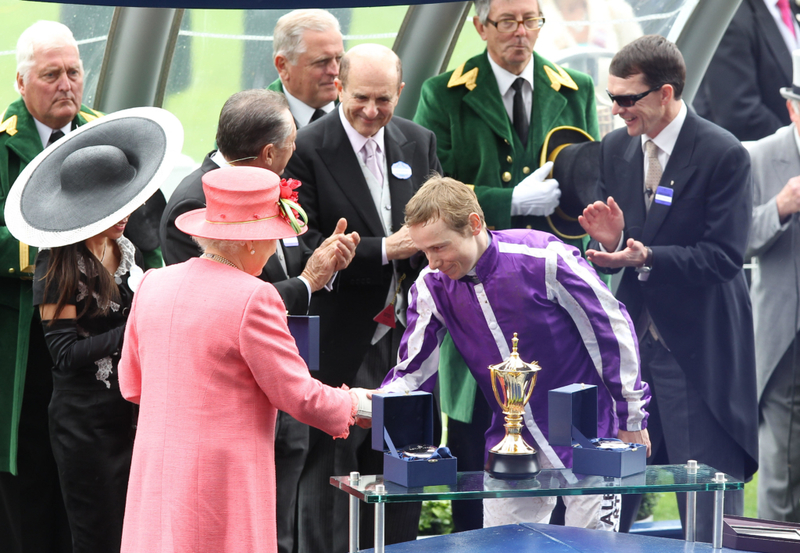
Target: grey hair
{"x":250,"y":120}
{"x":482,"y":8}
{"x":227,"y":247}
{"x":287,"y":37}
{"x":42,"y":34}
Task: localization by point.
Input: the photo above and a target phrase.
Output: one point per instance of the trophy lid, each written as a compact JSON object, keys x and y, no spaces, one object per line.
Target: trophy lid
{"x":514,"y":363}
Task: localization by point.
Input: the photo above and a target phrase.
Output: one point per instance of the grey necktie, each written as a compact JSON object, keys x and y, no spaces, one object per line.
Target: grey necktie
{"x":653,"y":173}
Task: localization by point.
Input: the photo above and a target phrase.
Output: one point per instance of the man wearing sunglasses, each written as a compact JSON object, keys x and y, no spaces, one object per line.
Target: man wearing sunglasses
{"x":490,"y":117}
{"x":676,"y":219}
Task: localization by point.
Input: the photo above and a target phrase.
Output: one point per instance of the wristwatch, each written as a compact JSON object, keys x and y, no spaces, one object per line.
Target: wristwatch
{"x":648,"y":263}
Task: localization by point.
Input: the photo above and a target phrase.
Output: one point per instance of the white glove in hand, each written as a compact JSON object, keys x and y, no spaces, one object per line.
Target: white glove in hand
{"x":364,"y":403}
{"x":536,"y":195}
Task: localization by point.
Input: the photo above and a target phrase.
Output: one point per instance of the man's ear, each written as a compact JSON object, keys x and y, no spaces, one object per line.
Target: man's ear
{"x":475,"y":224}
{"x":480,"y":27}
{"x":281,"y":63}
{"x":339,"y":87}
{"x":20,"y":84}
{"x":667,"y":94}
{"x":266,"y":157}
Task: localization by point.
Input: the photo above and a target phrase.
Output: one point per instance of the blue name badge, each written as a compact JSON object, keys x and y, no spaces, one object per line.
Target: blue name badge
{"x":663,"y":195}
{"x":291,"y":242}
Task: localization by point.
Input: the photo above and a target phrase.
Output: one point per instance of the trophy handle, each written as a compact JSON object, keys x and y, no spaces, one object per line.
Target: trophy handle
{"x":494,"y":389}
{"x":530,"y":388}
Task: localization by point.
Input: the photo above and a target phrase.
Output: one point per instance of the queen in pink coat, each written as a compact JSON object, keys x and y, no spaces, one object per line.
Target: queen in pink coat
{"x":208,"y":357}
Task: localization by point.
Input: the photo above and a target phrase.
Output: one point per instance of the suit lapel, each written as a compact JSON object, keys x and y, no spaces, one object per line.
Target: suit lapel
{"x":486,"y":102}
{"x":338,"y":155}
{"x":398,"y":149}
{"x":768,"y":29}
{"x":629,"y":167}
{"x":273,"y":269}
{"x":676,"y":175}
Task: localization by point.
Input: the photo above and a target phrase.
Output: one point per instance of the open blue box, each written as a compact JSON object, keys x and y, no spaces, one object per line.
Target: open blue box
{"x":572,"y":421}
{"x":305,"y":331}
{"x":400,"y":420}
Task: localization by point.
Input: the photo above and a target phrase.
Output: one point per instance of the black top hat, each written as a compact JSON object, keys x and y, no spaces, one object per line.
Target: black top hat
{"x":576,"y":166}
{"x":94,"y":177}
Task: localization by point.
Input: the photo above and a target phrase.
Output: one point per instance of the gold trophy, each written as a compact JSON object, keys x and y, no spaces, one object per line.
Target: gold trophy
{"x":513,"y":381}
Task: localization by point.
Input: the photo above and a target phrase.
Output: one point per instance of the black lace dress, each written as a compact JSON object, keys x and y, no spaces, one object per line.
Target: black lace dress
{"x":91,"y":424}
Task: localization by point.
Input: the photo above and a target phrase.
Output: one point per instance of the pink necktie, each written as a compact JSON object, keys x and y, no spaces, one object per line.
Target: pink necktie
{"x":371,"y":159}
{"x":786,"y":14}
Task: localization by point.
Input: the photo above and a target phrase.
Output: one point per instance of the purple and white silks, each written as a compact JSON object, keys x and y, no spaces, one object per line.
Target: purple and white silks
{"x":531,"y":283}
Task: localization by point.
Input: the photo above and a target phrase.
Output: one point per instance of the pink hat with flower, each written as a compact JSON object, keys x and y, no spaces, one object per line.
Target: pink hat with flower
{"x":246,"y":203}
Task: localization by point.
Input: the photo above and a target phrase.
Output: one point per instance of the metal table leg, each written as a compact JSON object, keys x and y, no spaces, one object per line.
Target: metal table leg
{"x":691,"y":503}
{"x":380,"y":521}
{"x":354,"y":519}
{"x":719,"y":503}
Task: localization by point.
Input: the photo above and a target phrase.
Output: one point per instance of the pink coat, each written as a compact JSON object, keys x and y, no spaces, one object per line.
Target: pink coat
{"x":209,"y":358}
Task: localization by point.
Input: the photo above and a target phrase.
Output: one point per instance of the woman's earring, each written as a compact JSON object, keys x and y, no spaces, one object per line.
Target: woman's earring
{"x":252,"y":252}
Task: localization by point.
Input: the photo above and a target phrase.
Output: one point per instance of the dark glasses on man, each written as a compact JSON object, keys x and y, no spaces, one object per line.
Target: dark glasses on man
{"x":627,"y":100}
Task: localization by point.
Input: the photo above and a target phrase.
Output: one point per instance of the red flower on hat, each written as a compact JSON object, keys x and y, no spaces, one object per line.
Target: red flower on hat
{"x":288,"y":187}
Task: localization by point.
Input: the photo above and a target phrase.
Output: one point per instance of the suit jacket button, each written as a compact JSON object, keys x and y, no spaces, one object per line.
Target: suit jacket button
{"x":509,"y":159}
{"x":506,"y":176}
{"x":526,"y":170}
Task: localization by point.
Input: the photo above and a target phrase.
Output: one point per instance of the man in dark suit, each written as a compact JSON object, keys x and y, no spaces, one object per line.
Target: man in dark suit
{"x":256,"y":128}
{"x":359,"y":163}
{"x":753,"y":61}
{"x":677,"y":220}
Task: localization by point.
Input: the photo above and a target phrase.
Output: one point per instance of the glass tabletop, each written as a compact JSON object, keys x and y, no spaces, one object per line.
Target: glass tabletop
{"x":479,"y":485}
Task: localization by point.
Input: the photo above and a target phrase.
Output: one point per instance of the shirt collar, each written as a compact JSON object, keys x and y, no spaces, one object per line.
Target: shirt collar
{"x":357,"y":140}
{"x":506,"y":78}
{"x":45,"y":131}
{"x":667,"y":138}
{"x":301,"y":111}
{"x":796,"y":137}
{"x":219,"y":159}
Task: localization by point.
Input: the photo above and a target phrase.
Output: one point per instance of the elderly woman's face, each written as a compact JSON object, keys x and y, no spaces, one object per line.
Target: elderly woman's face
{"x":284,"y":152}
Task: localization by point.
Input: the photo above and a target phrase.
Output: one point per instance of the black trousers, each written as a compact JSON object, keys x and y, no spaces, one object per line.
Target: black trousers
{"x":291,"y":449}
{"x":682,"y":427}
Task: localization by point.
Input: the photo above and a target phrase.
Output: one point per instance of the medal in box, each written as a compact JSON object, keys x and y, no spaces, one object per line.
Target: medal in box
{"x":572,"y":415}
{"x":402,"y":427}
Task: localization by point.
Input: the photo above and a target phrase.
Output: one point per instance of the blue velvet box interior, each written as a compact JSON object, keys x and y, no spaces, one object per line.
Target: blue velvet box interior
{"x":408,"y":420}
{"x":572,"y":420}
{"x":305,"y":331}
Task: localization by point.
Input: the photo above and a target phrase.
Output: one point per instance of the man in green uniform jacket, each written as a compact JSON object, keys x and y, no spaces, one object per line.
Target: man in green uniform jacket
{"x":471,"y":110}
{"x":50,"y":82}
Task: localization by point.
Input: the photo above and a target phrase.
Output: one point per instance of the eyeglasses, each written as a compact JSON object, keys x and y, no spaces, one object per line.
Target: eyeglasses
{"x":627,"y":100}
{"x":511,"y":25}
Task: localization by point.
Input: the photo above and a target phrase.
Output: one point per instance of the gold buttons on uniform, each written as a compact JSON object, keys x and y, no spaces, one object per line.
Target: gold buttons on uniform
{"x":11,"y":271}
{"x":509,"y":159}
{"x":506,"y":176}
{"x":526,"y":170}
{"x":506,"y":141}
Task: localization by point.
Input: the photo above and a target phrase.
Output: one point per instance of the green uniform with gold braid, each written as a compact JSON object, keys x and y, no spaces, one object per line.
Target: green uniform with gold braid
{"x":477,"y":144}
{"x":19,"y":144}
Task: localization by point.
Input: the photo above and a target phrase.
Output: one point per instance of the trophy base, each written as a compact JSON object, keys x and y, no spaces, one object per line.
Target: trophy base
{"x":512,"y":467}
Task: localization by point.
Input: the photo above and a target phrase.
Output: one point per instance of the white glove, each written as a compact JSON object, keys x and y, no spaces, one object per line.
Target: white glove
{"x":364,"y":403}
{"x":536,"y":195}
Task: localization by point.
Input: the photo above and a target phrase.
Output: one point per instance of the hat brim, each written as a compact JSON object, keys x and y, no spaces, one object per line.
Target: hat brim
{"x":38,"y":213}
{"x":194,"y":223}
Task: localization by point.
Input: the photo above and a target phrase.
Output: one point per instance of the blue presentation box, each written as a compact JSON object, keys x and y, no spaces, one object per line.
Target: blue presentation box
{"x":400,"y":420}
{"x":572,"y":421}
{"x":305,"y":331}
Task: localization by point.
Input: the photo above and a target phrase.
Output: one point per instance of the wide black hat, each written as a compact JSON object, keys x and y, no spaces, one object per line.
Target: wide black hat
{"x":94,"y":177}
{"x":576,"y":166}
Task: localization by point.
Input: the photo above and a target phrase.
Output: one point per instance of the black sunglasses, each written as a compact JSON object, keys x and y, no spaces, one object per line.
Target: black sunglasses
{"x":627,"y":100}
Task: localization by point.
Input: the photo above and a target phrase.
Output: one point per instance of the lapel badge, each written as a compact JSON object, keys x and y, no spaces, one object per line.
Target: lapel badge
{"x":401,"y":170}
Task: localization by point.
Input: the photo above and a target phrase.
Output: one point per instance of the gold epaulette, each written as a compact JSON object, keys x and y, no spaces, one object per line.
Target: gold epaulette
{"x":459,"y":77}
{"x":91,"y":116}
{"x":559,"y":78}
{"x":8,"y":126}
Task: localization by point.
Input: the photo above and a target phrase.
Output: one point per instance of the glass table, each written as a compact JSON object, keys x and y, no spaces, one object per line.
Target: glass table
{"x":690,"y":478}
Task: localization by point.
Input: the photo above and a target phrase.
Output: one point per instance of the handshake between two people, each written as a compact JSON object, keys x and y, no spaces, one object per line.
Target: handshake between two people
{"x":363,"y":406}
{"x":536,"y":194}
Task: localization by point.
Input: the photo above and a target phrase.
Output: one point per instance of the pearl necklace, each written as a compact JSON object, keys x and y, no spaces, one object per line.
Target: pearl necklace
{"x":219,"y":259}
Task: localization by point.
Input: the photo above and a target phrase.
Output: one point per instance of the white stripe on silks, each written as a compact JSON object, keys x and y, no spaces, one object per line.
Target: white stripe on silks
{"x":619,"y":325}
{"x":502,"y":346}
{"x":426,"y":310}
